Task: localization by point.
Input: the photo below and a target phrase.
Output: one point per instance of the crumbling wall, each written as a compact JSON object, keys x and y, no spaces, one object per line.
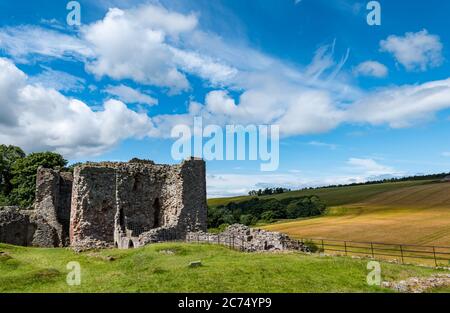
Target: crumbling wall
{"x":136,"y":203}
{"x":25,"y":228}
{"x":53,"y":201}
{"x":184,"y":202}
{"x":106,"y":204}
{"x":249,"y":239}
{"x":15,"y":228}
{"x":93,"y":207}
{"x":193,"y":217}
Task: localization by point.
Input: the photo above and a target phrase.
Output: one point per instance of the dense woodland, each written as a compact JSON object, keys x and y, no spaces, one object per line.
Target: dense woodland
{"x":264,"y":210}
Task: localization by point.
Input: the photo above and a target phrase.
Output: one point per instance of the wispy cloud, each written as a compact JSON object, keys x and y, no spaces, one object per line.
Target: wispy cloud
{"x":370,"y":167}
{"x":58,"y":80}
{"x":323,"y":144}
{"x":130,"y":95}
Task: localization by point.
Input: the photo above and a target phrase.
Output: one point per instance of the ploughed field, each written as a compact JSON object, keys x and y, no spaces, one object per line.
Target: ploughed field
{"x":416,"y":212}
{"x":164,"y":268}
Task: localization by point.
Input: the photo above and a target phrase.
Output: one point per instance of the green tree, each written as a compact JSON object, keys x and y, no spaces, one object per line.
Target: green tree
{"x":8,"y":155}
{"x":248,"y":219}
{"x":24,"y":175}
{"x":268,"y":216}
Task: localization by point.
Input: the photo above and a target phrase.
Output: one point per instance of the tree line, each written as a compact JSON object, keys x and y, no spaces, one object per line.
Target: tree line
{"x":257,"y":210}
{"x":18,"y":174}
{"x":268,"y":191}
{"x":438,"y":176}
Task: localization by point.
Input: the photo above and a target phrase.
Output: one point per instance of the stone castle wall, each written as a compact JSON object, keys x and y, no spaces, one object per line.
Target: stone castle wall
{"x":249,"y":239}
{"x":133,"y":204}
{"x":111,"y":204}
{"x":53,"y":201}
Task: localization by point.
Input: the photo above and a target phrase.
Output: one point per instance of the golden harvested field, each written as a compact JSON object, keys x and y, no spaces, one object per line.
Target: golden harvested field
{"x":411,"y":215}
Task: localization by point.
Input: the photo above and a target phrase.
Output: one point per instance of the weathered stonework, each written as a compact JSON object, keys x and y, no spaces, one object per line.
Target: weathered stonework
{"x":48,"y":224}
{"x":53,"y":201}
{"x":15,"y":227}
{"x":132,"y":204}
{"x":26,"y":228}
{"x":111,"y":204}
{"x":249,"y":239}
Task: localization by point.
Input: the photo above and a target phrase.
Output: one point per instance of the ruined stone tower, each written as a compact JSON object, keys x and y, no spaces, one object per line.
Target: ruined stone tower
{"x":132,"y":204}
{"x":116,"y":204}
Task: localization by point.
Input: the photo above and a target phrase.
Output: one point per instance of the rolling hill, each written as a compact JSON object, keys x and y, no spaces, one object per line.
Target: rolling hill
{"x":333,"y":196}
{"x":416,"y":214}
{"x":411,"y":212}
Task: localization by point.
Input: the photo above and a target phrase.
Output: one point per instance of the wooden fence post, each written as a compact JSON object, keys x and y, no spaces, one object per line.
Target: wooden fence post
{"x":434,"y":253}
{"x":373,"y":254}
{"x":401,"y":253}
{"x":345,"y":247}
{"x":323,"y":247}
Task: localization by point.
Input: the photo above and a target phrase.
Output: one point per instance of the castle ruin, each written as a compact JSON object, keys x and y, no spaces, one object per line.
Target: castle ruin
{"x":109,"y":204}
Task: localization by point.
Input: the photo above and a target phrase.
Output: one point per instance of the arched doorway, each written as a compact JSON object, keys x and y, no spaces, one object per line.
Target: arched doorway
{"x":130,"y":244}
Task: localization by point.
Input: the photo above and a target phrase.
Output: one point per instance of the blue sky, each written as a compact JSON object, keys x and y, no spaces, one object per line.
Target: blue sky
{"x":354,"y":102}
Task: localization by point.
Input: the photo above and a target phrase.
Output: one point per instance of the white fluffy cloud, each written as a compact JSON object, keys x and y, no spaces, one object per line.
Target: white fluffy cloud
{"x":39,"y":118}
{"x":415,"y":51}
{"x":130,"y":95}
{"x":371,"y":68}
{"x":401,"y":106}
{"x":141,"y":44}
{"x":154,"y":46}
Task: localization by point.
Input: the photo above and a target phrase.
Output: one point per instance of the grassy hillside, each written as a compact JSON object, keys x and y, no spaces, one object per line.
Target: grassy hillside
{"x":333,"y":196}
{"x":164,"y":268}
{"x":415,"y":214}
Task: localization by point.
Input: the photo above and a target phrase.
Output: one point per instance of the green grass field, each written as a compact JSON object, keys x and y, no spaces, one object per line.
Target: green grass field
{"x":164,"y":268}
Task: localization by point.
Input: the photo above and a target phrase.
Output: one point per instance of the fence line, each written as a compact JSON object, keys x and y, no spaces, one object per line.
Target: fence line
{"x":404,"y":253}
{"x":433,"y":255}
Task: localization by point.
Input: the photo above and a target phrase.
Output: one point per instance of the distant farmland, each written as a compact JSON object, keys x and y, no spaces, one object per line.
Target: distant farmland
{"x":414,"y":212}
{"x":333,"y":196}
